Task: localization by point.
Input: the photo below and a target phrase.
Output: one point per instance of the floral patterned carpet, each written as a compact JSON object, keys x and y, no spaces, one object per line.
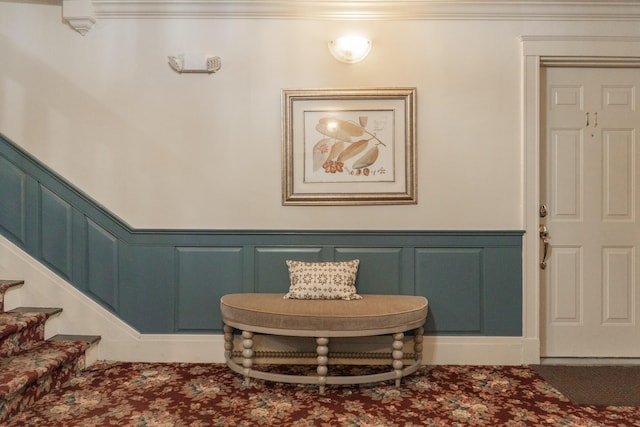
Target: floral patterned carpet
{"x":195,"y":395}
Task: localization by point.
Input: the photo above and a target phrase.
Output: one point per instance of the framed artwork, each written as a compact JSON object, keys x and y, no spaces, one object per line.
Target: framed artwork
{"x":349,"y":146}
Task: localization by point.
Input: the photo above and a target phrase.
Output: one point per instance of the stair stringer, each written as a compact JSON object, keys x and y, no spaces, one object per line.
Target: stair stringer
{"x":84,"y":316}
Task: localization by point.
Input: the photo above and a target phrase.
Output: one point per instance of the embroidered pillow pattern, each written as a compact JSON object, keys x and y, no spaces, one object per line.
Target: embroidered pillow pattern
{"x":323,"y":280}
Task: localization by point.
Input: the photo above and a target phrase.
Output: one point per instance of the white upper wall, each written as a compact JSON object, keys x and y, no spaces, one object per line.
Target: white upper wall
{"x":196,"y":151}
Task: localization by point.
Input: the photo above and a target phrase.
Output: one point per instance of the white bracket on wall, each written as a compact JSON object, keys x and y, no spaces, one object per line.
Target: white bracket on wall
{"x":79,"y":14}
{"x":191,"y":62}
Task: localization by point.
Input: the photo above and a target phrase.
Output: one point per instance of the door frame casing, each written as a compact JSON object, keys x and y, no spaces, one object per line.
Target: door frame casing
{"x":579,"y":51}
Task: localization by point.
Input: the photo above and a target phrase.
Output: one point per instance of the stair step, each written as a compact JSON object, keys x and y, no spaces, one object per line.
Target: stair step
{"x":6,"y":285}
{"x":10,"y":283}
{"x":12,"y":322}
{"x":89,"y":339}
{"x":20,"y":330}
{"x":91,"y":354}
{"x":48,"y":310}
{"x":29,"y":375}
{"x":31,"y":367}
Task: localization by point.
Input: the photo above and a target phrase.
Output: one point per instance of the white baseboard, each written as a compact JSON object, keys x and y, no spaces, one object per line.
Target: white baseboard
{"x":447,"y":350}
{"x":591,"y":361}
{"x":210,"y":349}
{"x":121,"y":342}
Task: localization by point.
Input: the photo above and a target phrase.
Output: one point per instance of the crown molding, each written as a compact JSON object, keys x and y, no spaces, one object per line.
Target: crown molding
{"x":373,"y":9}
{"x":85,"y":12}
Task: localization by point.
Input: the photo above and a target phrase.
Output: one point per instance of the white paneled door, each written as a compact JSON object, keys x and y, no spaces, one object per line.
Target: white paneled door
{"x":589,"y":212}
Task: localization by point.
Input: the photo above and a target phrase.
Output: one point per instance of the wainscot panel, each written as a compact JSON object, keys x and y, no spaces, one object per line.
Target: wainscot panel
{"x":102,"y":265}
{"x":204,"y":276}
{"x":452,"y":279}
{"x":170,"y":281}
{"x":56,"y":233}
{"x":382,"y":269}
{"x":271,"y":273}
{"x":13,"y":187}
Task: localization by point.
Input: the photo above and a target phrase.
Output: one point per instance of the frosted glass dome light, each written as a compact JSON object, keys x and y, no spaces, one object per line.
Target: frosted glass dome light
{"x":350,"y":49}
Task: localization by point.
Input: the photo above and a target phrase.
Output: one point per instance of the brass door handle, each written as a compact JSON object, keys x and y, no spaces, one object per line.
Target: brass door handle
{"x":544,"y":236}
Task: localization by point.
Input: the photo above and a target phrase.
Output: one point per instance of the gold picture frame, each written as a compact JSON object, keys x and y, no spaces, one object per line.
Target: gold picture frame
{"x":349,"y":146}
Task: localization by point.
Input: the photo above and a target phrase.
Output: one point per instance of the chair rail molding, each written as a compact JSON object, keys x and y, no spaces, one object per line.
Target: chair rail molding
{"x":82,"y":14}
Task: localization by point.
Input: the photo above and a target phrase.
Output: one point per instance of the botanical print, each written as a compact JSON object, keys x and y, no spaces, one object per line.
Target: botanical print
{"x":349,"y":146}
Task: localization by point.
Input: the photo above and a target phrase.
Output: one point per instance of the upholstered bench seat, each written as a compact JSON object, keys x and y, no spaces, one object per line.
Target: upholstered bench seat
{"x":323,"y":319}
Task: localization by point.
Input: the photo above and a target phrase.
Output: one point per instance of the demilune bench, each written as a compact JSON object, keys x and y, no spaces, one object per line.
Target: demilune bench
{"x":271,"y":314}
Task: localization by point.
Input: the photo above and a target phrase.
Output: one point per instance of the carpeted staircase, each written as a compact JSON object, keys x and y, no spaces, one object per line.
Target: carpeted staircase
{"x":31,"y":366}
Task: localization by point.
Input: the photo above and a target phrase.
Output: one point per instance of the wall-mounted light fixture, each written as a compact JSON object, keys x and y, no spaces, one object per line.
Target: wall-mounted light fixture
{"x":195,"y":63}
{"x":350,"y":49}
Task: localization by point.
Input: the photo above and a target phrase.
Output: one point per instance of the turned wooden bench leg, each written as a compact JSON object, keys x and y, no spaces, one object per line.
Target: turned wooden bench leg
{"x":228,"y":341}
{"x":247,"y":355}
{"x":322,"y":350}
{"x":417,"y":343}
{"x":398,"y":355}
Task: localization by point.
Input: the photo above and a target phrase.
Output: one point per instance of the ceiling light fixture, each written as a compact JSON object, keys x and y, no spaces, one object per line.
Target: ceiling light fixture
{"x":350,"y":49}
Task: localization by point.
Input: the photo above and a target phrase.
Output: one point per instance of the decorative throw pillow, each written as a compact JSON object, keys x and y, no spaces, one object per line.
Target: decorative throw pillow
{"x":323,"y":280}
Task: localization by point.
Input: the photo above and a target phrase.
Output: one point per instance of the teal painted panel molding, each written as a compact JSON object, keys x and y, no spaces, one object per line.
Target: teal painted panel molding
{"x":382,"y":271}
{"x":205,"y":275}
{"x":102,"y":263}
{"x":271,"y":274}
{"x":170,"y":281}
{"x":56,"y":239}
{"x":13,"y":187}
{"x":453,"y":279}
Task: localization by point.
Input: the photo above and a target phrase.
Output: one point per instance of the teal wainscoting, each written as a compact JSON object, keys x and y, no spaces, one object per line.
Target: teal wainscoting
{"x":170,"y":281}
